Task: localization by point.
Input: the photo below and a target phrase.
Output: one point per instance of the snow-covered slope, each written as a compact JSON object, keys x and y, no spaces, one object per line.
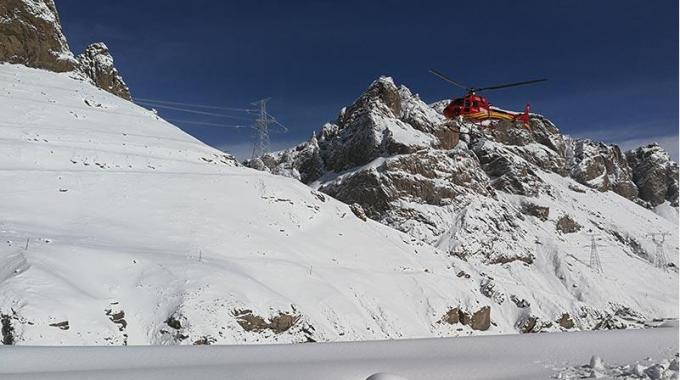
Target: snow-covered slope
{"x":117,"y":228}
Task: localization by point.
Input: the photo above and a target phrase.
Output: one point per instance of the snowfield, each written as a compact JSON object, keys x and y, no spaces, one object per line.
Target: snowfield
{"x":622,"y":354}
{"x":120,"y":229}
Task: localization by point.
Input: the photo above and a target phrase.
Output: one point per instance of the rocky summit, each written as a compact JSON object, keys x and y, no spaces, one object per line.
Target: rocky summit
{"x":31,"y":34}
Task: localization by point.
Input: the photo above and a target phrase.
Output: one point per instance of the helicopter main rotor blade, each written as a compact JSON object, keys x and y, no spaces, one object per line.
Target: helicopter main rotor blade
{"x":510,"y":85}
{"x":444,"y":77}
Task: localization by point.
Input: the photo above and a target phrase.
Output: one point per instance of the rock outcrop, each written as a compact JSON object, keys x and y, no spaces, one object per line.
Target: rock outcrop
{"x":97,"y":63}
{"x":31,"y":34}
{"x":601,"y":166}
{"x":655,"y":174}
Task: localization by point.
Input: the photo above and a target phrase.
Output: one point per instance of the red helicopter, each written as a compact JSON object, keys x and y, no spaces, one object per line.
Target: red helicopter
{"x":475,"y":108}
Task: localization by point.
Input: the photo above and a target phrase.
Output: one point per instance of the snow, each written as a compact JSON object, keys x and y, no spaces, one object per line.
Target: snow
{"x":108,"y":209}
{"x":667,"y":211}
{"x":528,"y":356}
{"x":121,"y":211}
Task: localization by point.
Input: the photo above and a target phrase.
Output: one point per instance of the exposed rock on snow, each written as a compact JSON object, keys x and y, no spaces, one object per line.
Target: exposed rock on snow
{"x":479,"y":320}
{"x":566,"y":321}
{"x":567,"y":225}
{"x":97,"y":63}
{"x":30,"y":34}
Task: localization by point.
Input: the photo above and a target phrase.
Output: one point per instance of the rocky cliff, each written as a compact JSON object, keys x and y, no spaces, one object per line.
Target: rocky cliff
{"x":31,"y":34}
{"x":506,"y":199}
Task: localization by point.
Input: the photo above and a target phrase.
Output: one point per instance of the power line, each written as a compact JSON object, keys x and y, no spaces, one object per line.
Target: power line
{"x":195,"y":105}
{"x":209,"y":124}
{"x":192,"y":111}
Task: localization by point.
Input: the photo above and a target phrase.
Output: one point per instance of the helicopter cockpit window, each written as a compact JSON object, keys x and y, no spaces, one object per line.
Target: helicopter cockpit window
{"x":475,"y":104}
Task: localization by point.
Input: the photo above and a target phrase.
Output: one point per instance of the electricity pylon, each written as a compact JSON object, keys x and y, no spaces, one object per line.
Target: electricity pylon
{"x":261,"y":145}
{"x":595,"y":263}
{"x":660,"y":260}
{"x":262,"y":122}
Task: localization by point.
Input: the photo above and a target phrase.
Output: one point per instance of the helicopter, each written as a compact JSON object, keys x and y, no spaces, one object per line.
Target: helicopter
{"x":476,"y":108}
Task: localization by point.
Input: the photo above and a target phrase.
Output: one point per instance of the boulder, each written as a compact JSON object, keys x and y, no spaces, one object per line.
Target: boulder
{"x":481,"y":319}
{"x":566,"y":322}
{"x":567,"y":225}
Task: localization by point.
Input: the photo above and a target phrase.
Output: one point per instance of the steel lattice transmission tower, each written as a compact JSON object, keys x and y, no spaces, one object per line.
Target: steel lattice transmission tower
{"x":660,"y":260}
{"x":595,"y":263}
{"x":264,"y":119}
{"x":261,"y":145}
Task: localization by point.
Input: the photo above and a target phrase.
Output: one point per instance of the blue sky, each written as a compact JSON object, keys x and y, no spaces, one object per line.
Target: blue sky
{"x":612,"y":65}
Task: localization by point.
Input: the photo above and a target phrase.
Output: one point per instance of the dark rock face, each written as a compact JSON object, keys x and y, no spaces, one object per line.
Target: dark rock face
{"x":602,"y":167}
{"x":97,"y":63}
{"x":30,"y":34}
{"x":655,"y":175}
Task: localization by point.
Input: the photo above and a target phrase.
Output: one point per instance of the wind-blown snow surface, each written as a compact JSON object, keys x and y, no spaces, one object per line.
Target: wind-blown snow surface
{"x":530,"y":356}
{"x":118,"y":228}
{"x":125,"y":212}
